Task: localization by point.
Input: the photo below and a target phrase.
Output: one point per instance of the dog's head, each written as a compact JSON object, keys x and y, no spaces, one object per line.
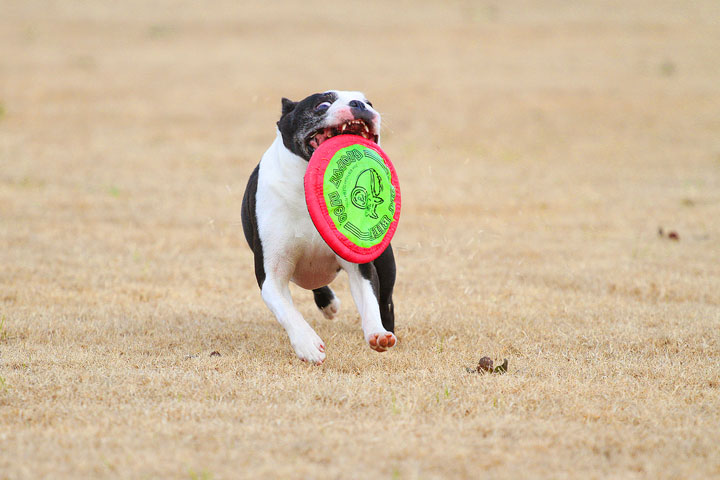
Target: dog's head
{"x":304,"y":125}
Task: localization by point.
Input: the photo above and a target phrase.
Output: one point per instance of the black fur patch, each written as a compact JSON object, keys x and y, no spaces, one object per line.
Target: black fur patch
{"x":249,"y":223}
{"x":323,"y":297}
{"x":299,"y":120}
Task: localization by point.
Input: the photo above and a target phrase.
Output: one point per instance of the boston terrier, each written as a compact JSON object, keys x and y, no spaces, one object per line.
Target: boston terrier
{"x":285,"y":242}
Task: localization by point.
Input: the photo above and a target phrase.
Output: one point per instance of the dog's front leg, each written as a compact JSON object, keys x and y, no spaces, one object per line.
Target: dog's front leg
{"x":308,"y":346}
{"x":364,"y":286}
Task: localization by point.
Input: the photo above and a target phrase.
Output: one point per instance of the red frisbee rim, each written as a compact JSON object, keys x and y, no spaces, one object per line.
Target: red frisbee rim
{"x":315,"y":200}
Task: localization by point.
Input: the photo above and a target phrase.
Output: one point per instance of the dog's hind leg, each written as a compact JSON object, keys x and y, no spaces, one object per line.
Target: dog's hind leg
{"x":326,"y":301}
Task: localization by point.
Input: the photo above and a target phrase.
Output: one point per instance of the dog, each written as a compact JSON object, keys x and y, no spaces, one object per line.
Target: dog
{"x":287,"y":246}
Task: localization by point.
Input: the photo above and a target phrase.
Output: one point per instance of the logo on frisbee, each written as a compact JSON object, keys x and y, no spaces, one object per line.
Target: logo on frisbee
{"x":359,"y":195}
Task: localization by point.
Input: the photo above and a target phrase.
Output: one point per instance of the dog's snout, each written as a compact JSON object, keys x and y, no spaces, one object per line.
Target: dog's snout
{"x":357,"y":104}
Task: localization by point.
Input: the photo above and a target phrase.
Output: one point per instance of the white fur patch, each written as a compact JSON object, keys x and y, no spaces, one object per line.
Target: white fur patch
{"x":331,"y":310}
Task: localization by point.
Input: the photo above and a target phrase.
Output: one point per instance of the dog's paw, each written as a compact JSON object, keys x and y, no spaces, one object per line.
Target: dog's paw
{"x":381,"y":341}
{"x":309,"y":347}
{"x":331,"y":310}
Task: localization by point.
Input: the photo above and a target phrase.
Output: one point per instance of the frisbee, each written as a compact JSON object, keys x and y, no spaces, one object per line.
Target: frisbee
{"x":353,"y":197}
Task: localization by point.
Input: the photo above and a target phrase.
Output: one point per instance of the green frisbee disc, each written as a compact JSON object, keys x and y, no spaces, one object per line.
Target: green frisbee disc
{"x":353,"y":197}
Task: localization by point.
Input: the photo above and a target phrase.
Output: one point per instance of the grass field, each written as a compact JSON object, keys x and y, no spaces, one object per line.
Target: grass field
{"x":540,"y":146}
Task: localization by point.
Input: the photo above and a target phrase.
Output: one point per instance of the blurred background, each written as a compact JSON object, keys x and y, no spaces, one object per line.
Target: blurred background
{"x":567,"y":121}
{"x":540,"y":146}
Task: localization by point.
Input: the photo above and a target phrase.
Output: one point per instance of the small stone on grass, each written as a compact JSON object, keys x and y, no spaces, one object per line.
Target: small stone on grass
{"x":485,"y":365}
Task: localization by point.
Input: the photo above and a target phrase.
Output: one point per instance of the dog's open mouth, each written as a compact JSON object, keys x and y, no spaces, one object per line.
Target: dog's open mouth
{"x":353,"y":127}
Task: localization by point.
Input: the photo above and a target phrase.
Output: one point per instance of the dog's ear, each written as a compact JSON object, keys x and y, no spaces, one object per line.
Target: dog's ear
{"x":288,"y":106}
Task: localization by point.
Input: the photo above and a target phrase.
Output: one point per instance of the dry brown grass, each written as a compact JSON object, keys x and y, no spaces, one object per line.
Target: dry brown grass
{"x":539,"y":146}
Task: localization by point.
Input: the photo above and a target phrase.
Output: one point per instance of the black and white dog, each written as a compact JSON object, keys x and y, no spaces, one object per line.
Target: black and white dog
{"x":287,"y":246}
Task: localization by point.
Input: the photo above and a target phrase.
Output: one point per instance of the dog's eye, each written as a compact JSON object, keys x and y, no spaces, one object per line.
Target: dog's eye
{"x":369,"y":103}
{"x":321,"y":107}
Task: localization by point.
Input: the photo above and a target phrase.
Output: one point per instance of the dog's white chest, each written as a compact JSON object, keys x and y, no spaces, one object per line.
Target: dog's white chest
{"x":284,"y":224}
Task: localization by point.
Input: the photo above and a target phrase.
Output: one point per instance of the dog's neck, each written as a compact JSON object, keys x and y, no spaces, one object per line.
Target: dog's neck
{"x":288,"y":170}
